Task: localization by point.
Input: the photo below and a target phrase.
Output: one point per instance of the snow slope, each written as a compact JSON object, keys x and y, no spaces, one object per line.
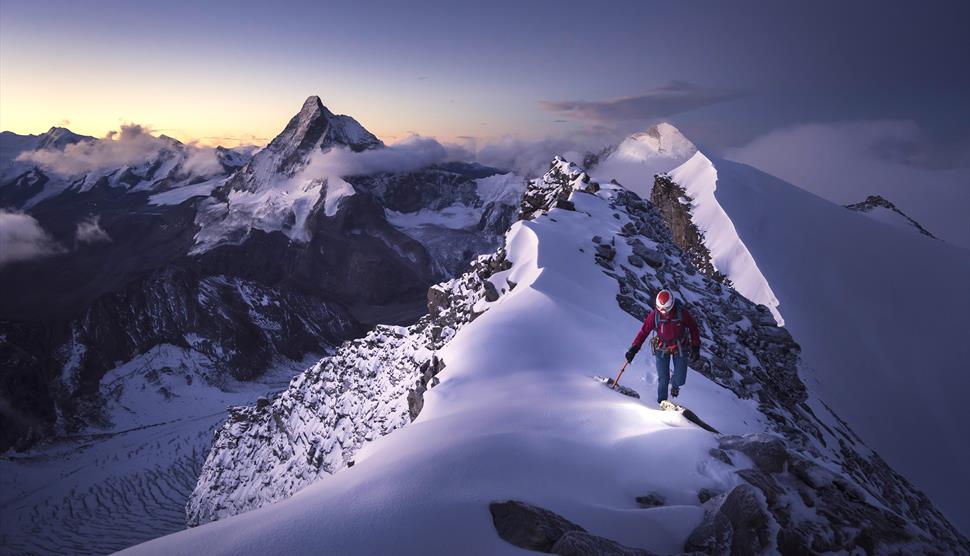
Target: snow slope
{"x":730,"y":256}
{"x":895,"y":369}
{"x":516,"y":415}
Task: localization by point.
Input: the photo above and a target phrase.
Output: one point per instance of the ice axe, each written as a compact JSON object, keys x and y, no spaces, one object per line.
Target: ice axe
{"x":617,"y":381}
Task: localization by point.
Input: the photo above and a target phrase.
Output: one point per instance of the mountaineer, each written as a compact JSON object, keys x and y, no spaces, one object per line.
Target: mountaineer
{"x":677,"y":337}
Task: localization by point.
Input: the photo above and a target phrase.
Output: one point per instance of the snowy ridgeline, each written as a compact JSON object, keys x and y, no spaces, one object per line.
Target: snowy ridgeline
{"x":587,"y":258}
{"x":368,"y":388}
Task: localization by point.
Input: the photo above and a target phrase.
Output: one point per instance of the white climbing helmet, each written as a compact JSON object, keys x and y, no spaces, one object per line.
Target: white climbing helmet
{"x":665,"y":301}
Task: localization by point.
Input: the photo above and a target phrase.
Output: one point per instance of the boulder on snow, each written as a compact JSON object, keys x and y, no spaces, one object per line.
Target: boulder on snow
{"x":705,"y":494}
{"x":535,"y":528}
{"x":651,"y":256}
{"x":528,"y":526}
{"x":766,"y":451}
{"x":605,"y":251}
{"x":736,"y":522}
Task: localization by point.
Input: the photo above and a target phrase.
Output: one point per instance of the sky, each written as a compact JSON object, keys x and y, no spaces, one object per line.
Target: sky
{"x":728,"y":74}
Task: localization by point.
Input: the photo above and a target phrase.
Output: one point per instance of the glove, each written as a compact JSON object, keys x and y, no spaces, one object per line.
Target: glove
{"x":695,"y":354}
{"x":631,"y":353}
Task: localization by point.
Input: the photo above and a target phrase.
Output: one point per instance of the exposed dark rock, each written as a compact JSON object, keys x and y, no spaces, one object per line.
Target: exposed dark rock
{"x":535,"y":528}
{"x":735,"y":522}
{"x":652,"y":257}
{"x":705,"y":494}
{"x":528,"y":526}
{"x":607,"y":252}
{"x":553,"y":189}
{"x":491,"y":294}
{"x":651,"y":500}
{"x":721,"y":455}
{"x":581,"y":543}
{"x":666,"y":196}
{"x":875,"y":202}
{"x":767,"y":452}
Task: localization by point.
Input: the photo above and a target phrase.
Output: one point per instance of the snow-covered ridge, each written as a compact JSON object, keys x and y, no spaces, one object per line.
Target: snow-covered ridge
{"x":729,"y":255}
{"x":367,"y":389}
{"x":516,"y":416}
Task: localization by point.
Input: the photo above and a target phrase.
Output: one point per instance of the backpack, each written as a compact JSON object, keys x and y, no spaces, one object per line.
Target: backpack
{"x":678,"y":317}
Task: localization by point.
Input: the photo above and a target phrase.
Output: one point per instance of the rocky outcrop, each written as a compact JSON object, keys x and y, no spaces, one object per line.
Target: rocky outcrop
{"x":534,"y":528}
{"x":875,"y":203}
{"x":788,"y":503}
{"x":366,"y":389}
{"x":736,"y":522}
{"x":674,"y":206}
{"x":553,"y":189}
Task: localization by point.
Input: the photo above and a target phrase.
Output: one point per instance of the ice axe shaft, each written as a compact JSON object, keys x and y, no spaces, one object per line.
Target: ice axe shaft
{"x":617,"y":381}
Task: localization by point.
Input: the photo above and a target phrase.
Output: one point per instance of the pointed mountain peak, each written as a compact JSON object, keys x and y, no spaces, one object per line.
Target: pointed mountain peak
{"x":170,"y":141}
{"x":312,"y":130}
{"x":58,"y":138}
{"x":316,"y":126}
{"x":312,"y":104}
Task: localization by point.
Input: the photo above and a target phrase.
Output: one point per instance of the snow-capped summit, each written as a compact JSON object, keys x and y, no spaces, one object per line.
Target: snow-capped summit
{"x":639,"y":157}
{"x":662,"y":140}
{"x":313,"y":129}
{"x":880,"y":209}
{"x":58,"y":138}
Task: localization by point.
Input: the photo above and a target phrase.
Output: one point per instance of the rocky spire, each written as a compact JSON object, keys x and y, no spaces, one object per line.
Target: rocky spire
{"x":313,"y":129}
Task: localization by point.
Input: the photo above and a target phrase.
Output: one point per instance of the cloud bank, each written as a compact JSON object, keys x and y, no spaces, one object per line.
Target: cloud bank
{"x":406,"y":155}
{"x":846,"y":161}
{"x":672,"y":98}
{"x":22,"y":238}
{"x":202,"y":161}
{"x":132,"y":145}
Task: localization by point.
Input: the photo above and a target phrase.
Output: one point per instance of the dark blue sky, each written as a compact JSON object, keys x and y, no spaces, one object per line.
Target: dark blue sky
{"x":482,"y":69}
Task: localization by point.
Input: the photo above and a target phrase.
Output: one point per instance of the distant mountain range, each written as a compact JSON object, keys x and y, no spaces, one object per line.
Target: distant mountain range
{"x":240,"y":260}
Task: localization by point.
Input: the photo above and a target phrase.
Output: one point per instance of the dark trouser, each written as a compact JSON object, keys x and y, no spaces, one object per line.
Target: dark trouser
{"x":663,"y":372}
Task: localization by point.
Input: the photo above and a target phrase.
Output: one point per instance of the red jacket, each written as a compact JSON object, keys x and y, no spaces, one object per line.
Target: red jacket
{"x":670,"y":330}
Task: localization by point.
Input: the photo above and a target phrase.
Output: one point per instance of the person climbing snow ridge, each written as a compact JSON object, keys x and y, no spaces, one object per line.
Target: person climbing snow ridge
{"x":675,"y":329}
